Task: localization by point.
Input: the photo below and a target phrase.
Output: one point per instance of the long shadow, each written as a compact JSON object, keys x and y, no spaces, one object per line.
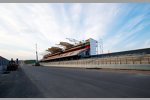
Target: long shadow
{"x":16,"y":84}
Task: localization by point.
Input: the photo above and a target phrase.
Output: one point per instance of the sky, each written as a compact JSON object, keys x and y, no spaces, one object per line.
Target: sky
{"x":121,"y":26}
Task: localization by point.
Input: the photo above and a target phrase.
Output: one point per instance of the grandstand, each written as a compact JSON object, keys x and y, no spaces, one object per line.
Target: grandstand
{"x":84,"y":54}
{"x":71,"y":51}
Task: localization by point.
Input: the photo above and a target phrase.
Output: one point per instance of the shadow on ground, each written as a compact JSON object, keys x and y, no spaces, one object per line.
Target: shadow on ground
{"x":16,"y":84}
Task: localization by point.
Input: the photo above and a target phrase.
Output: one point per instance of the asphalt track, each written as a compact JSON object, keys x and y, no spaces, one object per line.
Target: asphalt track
{"x":52,"y":82}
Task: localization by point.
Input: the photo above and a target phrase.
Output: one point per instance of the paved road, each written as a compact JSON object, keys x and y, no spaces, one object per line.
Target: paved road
{"x":31,"y":81}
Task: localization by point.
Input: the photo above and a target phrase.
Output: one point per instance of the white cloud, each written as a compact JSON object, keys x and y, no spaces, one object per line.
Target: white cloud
{"x":147,"y":44}
{"x":23,"y":25}
{"x":124,"y":34}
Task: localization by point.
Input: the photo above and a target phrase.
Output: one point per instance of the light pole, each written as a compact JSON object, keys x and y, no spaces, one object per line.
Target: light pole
{"x":100,"y":46}
{"x":37,"y":62}
{"x":101,"y":40}
{"x":36,"y":54}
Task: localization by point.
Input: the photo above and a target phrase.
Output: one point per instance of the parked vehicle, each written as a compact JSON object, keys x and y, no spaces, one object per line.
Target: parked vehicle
{"x":12,"y":66}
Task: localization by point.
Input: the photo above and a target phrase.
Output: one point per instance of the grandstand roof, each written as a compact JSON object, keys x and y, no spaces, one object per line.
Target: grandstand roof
{"x":54,"y":50}
{"x":67,"y":54}
{"x":66,"y":45}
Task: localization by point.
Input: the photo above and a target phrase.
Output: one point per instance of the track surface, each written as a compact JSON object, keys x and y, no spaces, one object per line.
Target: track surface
{"x":31,"y":81}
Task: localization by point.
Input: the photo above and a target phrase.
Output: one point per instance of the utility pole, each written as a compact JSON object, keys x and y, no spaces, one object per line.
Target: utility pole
{"x":36,"y":54}
{"x":37,"y":62}
{"x":97,"y":48}
{"x":101,"y":46}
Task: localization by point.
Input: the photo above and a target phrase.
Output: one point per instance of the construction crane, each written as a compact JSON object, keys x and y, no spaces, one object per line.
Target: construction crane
{"x":73,"y":40}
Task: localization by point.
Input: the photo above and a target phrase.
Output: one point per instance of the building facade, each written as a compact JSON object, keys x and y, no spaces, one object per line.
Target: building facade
{"x":3,"y":63}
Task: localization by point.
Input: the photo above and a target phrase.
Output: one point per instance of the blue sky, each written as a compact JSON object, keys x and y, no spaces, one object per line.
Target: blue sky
{"x":122,"y":26}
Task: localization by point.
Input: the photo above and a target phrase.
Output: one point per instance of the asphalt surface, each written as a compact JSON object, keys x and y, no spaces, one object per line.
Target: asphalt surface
{"x":51,"y":82}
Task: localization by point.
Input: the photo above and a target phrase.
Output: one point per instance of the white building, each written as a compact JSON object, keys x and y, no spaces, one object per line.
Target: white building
{"x":93,"y":47}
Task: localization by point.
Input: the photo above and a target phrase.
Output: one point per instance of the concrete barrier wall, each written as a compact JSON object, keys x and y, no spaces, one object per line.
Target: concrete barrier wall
{"x":141,"y":62}
{"x":112,"y":66}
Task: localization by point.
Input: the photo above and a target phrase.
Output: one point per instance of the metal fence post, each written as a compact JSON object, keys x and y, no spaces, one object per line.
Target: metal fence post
{"x":132,"y":60}
{"x":120,"y":61}
{"x":117,"y":61}
{"x":140,"y":60}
